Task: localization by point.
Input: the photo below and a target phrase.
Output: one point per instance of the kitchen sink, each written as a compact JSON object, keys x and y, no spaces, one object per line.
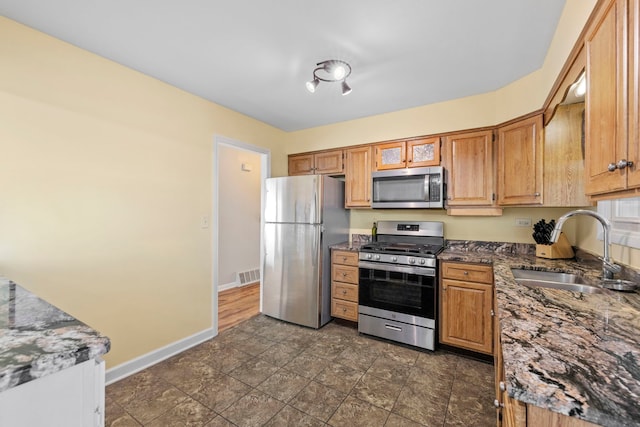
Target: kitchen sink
{"x":553,"y":280}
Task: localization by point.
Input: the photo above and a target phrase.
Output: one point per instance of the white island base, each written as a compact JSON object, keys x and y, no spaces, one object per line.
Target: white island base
{"x":72,"y":397}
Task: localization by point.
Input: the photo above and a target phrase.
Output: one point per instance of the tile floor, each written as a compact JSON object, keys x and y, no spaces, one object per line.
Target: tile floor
{"x":264,"y":372}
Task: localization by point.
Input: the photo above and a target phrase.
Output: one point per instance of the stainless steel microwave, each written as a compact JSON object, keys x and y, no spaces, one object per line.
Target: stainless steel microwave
{"x":408,"y":188}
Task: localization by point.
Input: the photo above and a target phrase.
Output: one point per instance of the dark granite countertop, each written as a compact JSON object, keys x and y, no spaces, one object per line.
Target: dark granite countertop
{"x":38,"y":339}
{"x":572,"y":353}
{"x":355,"y":244}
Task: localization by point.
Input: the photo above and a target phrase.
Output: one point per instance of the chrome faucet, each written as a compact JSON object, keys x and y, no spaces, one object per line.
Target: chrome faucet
{"x":609,"y":268}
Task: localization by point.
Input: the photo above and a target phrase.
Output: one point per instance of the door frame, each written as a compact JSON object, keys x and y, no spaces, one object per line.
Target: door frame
{"x":265,"y":172}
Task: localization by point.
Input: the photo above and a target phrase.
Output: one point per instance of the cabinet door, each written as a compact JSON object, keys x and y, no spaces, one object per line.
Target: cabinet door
{"x":329,"y":162}
{"x":466,"y":315}
{"x":358,"y":177}
{"x":469,"y":163}
{"x":633,"y":153}
{"x":497,"y":361}
{"x":564,"y":158}
{"x":606,"y":100}
{"x":390,"y":155}
{"x":520,"y":167}
{"x":301,"y":164}
{"x":423,"y":152}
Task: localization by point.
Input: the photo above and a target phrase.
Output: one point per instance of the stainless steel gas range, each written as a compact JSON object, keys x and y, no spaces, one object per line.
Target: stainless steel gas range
{"x":398,"y":281}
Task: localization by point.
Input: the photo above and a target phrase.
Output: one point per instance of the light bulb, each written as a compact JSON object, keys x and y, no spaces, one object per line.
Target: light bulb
{"x":339,"y":72}
{"x":581,"y":88}
{"x":311,"y":85}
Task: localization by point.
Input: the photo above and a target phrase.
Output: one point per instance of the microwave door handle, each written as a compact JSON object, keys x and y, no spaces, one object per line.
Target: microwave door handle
{"x":426,"y":187}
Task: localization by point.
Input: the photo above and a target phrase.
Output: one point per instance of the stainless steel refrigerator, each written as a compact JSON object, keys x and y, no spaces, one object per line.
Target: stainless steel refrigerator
{"x":304,"y":215}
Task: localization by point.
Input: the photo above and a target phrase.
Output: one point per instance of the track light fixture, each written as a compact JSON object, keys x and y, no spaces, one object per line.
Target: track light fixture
{"x":333,"y":70}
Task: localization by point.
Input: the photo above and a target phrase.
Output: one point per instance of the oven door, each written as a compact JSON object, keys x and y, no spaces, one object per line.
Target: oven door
{"x":398,"y":288}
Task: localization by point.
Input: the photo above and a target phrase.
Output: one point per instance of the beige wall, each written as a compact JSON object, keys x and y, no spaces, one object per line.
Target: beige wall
{"x":105,"y":174}
{"x":239,"y":194}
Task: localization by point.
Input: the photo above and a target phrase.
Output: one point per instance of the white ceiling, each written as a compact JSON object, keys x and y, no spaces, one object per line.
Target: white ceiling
{"x":254,"y":56}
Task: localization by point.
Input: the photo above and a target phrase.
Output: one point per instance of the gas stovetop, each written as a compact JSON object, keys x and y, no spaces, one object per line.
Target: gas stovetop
{"x":428,"y":250}
{"x":406,"y":243}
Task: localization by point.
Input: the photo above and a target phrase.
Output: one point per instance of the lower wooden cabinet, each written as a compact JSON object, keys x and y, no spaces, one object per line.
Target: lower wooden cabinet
{"x":344,"y":285}
{"x":466,"y":306}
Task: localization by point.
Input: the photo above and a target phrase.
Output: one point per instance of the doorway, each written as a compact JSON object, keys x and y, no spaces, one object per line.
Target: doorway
{"x":239,"y":172}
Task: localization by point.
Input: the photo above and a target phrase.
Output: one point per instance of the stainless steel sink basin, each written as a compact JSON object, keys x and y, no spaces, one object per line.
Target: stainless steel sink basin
{"x":546,"y":276}
{"x":553,"y":280}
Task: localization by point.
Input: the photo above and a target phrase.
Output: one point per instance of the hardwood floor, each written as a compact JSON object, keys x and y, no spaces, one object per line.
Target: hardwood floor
{"x":237,"y":305}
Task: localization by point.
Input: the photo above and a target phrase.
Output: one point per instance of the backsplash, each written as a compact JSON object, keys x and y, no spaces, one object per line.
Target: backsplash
{"x":499,"y":247}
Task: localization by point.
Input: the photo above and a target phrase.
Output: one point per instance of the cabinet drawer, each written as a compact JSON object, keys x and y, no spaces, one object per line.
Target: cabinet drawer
{"x":345,"y":291}
{"x":344,"y":273}
{"x":344,"y":309}
{"x":344,"y":257}
{"x":471,"y":272}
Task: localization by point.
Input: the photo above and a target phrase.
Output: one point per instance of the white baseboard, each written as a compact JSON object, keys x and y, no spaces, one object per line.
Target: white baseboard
{"x":139,"y":363}
{"x":229,"y":285}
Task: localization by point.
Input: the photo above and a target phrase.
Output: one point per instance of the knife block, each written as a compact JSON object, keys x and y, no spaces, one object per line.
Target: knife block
{"x":559,"y":250}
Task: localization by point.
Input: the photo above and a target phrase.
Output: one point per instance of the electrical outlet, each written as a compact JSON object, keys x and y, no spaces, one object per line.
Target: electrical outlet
{"x":523,"y":222}
{"x":204,"y":222}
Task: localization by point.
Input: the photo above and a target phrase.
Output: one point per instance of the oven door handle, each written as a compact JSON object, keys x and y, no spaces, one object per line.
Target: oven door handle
{"x":398,"y":268}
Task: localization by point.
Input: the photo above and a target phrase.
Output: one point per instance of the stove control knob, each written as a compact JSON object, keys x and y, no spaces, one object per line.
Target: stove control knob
{"x":422,"y":261}
{"x":412,"y":260}
{"x":377,"y":257}
{"x":368,"y":256}
{"x":394,"y":258}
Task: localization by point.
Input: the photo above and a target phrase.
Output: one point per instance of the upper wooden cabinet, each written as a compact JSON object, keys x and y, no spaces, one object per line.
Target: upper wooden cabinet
{"x":357,"y":177}
{"x":611,"y":113}
{"x":469,"y":164}
{"x":520,"y":162}
{"x":323,"y":162}
{"x":564,"y":158}
{"x":411,"y":153}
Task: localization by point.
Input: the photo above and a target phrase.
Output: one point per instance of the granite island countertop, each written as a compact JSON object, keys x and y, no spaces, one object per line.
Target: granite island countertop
{"x":572,"y":353}
{"x":38,"y":339}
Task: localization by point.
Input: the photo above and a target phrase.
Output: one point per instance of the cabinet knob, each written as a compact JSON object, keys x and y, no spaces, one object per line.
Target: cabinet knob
{"x":344,"y":258}
{"x":622,"y":163}
{"x":502,"y":386}
{"x":536,"y":194}
{"x":344,"y":310}
{"x":344,"y":292}
{"x":497,"y":404}
{"x":492,"y":313}
{"x":466,"y":273}
{"x":344,"y":274}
